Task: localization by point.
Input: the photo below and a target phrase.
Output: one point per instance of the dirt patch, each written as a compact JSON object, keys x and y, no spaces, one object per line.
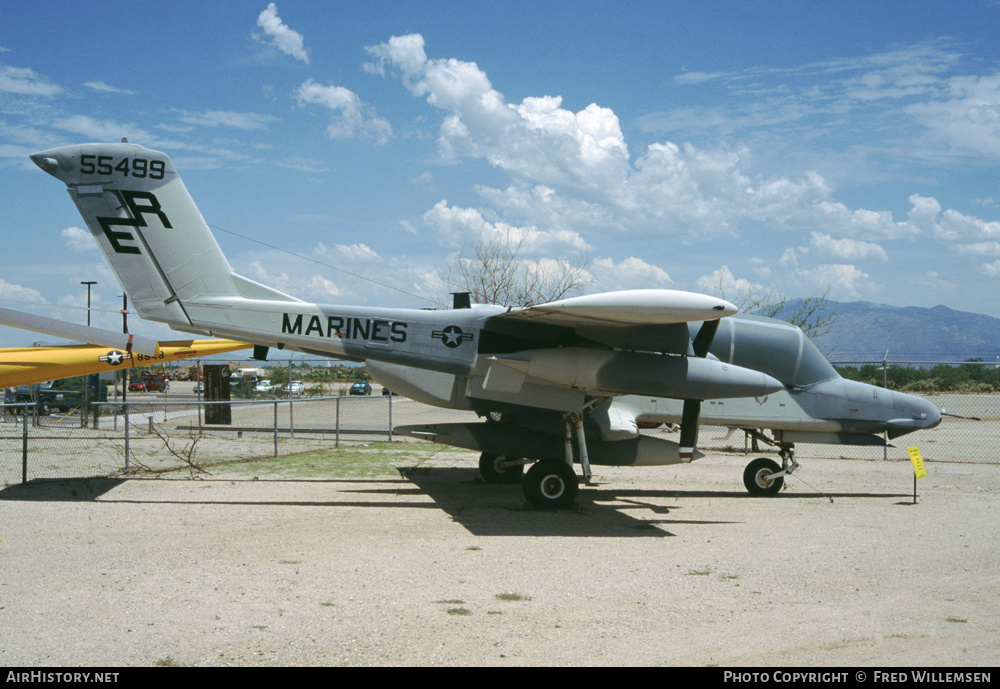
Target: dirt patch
{"x":430,"y":566}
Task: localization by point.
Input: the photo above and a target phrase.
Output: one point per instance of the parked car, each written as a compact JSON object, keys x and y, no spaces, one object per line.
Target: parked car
{"x":199,"y":387}
{"x":157,"y":383}
{"x":150,"y":383}
{"x":264,"y":386}
{"x":61,"y":394}
{"x":387,"y":391}
{"x":296,"y":387}
{"x":360,"y":388}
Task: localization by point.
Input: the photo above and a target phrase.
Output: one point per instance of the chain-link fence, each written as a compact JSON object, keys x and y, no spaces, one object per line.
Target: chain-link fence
{"x":157,"y":433}
{"x":145,"y":436}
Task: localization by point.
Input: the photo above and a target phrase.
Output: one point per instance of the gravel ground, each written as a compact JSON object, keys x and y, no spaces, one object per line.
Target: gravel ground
{"x":658,"y":566}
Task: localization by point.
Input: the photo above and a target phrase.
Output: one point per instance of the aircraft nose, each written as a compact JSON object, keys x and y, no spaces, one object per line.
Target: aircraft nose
{"x":932,"y":415}
{"x":912,"y":413}
{"x":925,"y":414}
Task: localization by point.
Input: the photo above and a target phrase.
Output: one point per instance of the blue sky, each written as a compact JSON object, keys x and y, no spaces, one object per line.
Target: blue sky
{"x":346,"y":152}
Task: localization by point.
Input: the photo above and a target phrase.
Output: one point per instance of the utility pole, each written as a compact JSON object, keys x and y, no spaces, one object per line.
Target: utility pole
{"x":125,"y":373}
{"x":86,"y":379}
{"x":88,"y":283}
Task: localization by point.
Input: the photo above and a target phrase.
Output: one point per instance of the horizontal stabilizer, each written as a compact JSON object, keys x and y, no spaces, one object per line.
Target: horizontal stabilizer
{"x":80,"y":333}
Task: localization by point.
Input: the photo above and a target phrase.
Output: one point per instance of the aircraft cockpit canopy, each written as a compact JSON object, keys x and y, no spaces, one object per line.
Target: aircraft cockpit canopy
{"x":774,"y":347}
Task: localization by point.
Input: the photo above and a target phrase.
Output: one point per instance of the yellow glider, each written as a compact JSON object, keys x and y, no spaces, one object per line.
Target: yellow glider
{"x":28,"y":365}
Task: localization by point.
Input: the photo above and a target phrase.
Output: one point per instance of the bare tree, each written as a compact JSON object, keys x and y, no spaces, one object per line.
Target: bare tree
{"x":185,"y":454}
{"x":811,"y":316}
{"x":497,"y":275}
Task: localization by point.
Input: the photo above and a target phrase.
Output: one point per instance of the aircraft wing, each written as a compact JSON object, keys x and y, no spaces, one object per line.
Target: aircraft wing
{"x":29,"y":365}
{"x":610,"y":344}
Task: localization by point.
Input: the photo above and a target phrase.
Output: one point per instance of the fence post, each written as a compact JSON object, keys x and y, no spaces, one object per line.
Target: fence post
{"x":885,"y":384}
{"x":85,"y":406}
{"x":125,"y":413}
{"x":337,"y":444}
{"x":276,"y":428}
{"x":390,"y":417}
{"x":198,"y":379}
{"x":24,"y":448}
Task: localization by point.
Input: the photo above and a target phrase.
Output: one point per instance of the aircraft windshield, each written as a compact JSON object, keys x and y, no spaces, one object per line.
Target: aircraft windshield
{"x":773,"y":347}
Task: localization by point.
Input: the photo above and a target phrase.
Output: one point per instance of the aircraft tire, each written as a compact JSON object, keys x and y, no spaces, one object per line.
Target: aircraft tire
{"x":551,"y":484}
{"x":755,"y":481}
{"x":492,"y":472}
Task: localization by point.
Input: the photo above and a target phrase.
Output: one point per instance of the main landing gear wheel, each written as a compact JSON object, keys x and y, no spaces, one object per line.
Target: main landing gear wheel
{"x":551,"y":485}
{"x":496,"y":468}
{"x":757,"y":477}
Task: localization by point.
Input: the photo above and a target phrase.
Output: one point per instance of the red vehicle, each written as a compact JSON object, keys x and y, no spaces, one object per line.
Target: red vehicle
{"x":150,"y":383}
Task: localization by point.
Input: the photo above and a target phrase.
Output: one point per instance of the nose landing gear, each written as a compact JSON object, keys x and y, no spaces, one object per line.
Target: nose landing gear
{"x":763,"y":477}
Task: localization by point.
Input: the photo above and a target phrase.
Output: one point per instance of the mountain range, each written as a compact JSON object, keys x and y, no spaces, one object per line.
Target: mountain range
{"x":866,"y":332}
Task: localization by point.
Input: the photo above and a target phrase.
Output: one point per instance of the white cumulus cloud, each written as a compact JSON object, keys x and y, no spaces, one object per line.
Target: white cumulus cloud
{"x":574,"y":181}
{"x":19,"y":293}
{"x":26,"y":82}
{"x":537,"y":139}
{"x":582,"y":159}
{"x":722,"y":281}
{"x":78,"y":240}
{"x":352,"y":117}
{"x":847,"y":249}
{"x":280,"y":36}
{"x":353,"y":253}
{"x":629,"y":273}
{"x":465,"y":226}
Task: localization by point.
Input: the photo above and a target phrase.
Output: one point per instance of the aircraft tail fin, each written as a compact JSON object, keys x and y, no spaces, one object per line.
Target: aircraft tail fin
{"x":150,"y":230}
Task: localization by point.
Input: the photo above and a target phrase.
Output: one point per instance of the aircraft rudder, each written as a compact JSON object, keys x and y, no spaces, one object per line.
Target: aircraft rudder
{"x":146,"y":225}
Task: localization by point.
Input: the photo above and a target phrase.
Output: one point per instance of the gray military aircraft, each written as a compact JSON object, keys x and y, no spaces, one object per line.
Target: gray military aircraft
{"x":559,"y":383}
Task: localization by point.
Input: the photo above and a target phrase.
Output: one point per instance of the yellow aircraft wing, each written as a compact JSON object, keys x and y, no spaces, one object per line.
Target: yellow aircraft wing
{"x":28,"y":365}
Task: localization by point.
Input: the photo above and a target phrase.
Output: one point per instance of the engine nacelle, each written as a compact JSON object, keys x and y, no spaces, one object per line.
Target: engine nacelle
{"x":601,"y":372}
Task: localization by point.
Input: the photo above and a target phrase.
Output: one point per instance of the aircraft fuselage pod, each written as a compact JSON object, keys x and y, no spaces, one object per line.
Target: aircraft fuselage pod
{"x":814,"y":405}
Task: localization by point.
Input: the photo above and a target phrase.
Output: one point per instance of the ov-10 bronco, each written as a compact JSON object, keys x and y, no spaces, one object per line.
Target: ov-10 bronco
{"x":558,"y":384}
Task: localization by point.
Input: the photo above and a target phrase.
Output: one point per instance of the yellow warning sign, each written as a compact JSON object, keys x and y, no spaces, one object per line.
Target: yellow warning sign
{"x":918,"y":462}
